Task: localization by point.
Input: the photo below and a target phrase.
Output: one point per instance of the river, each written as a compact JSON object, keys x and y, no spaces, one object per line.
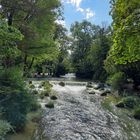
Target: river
{"x":78,"y":115}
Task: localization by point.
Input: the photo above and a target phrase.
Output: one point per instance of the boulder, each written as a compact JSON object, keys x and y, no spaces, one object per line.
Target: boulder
{"x":91,"y":92}
{"x":49,"y":105}
{"x":62,"y":84}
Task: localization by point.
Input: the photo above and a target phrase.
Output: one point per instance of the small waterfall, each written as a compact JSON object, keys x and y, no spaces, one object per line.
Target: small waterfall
{"x":70,"y":83}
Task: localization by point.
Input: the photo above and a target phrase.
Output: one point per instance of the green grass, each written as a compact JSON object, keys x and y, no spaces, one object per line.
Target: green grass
{"x":106,"y":103}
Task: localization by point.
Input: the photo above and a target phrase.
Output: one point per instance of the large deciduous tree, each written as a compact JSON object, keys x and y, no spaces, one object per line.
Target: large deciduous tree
{"x":36,"y":21}
{"x":83,"y":34}
{"x":124,"y":55}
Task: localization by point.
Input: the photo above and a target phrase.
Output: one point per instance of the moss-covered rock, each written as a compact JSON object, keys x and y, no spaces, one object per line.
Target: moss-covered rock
{"x":104,"y":94}
{"x":62,"y":84}
{"x":89,"y":85}
{"x":45,"y":93}
{"x":50,"y":104}
{"x":31,"y":86}
{"x":99,"y":86}
{"x":120,"y":104}
{"x":35,"y":92}
{"x":91,"y":92}
{"x":30,"y":82}
{"x":53,"y":97}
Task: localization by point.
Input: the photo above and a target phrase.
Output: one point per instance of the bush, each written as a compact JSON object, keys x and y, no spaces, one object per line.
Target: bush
{"x":44,"y":94}
{"x":47,"y":86}
{"x":35,"y":107}
{"x":137,"y":113}
{"x":34,"y":104}
{"x":50,"y":104}
{"x":129,"y":102}
{"x":5,"y":127}
{"x":117,"y":81}
{"x":16,"y":101}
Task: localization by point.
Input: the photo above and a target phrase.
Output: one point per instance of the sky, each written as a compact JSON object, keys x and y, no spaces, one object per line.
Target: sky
{"x":95,"y":11}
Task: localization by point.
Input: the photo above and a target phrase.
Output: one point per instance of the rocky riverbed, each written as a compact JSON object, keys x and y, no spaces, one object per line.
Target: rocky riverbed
{"x":78,"y":115}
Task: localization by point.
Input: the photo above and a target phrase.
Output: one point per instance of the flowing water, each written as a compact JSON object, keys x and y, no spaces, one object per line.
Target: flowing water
{"x":80,"y":116}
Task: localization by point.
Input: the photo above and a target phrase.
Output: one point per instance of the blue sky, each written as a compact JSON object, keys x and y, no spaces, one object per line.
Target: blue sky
{"x":95,"y":11}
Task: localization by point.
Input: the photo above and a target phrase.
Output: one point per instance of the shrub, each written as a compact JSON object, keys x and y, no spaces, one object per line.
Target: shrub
{"x":137,"y":113}
{"x":16,"y":101}
{"x":44,"y":94}
{"x":47,"y":86}
{"x":5,"y":127}
{"x":34,"y":104}
{"x":128,"y":102}
{"x":117,"y":81}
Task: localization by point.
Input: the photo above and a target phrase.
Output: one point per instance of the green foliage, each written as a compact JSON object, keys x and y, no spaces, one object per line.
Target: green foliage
{"x":117,"y":81}
{"x":124,"y":54}
{"x":137,"y":113}
{"x":31,"y":86}
{"x":128,"y":102}
{"x":5,"y":127}
{"x":90,"y":47}
{"x":34,"y":105}
{"x":12,"y":77}
{"x":15,"y":100}
{"x":83,"y":34}
{"x":44,"y":94}
{"x":47,"y":86}
{"x":98,"y":53}
{"x":8,"y":44}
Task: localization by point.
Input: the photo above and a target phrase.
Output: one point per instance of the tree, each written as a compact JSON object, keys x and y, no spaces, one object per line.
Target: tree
{"x":98,"y":53}
{"x":124,"y":54}
{"x":62,"y":64}
{"x":38,"y":36}
{"x":8,"y":46}
{"x":83,"y":35}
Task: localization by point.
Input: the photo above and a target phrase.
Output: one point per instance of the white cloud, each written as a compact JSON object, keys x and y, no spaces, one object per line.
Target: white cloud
{"x":80,"y":9}
{"x":88,"y":13}
{"x":61,"y":22}
{"x":73,"y":2}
